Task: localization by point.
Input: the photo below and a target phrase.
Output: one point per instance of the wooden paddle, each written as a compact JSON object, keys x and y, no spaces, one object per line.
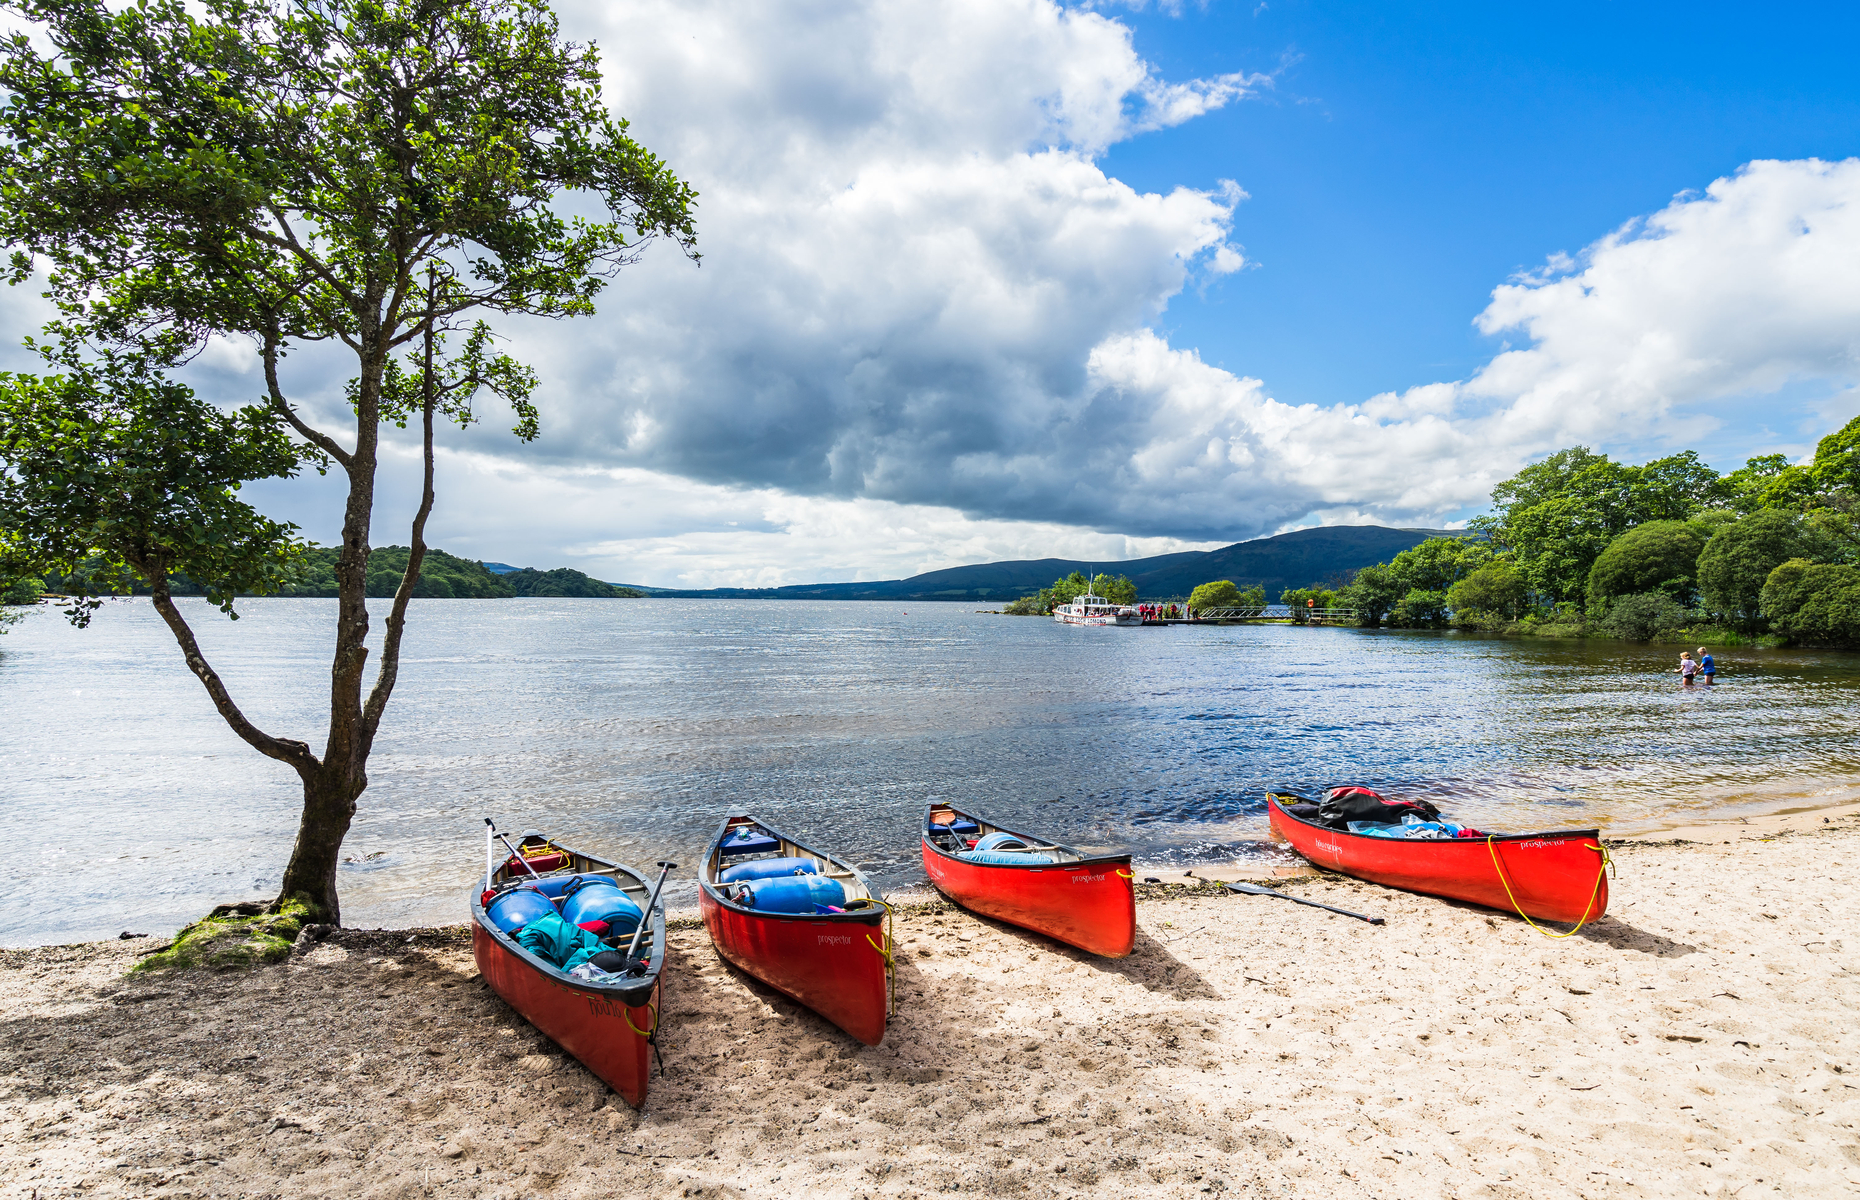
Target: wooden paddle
{"x":1253,"y":889}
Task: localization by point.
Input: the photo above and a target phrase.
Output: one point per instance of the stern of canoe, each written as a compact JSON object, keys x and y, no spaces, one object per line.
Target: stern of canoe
{"x":1090,"y":905}
{"x":1547,"y":877}
{"x":835,"y":967}
{"x":607,"y":1035}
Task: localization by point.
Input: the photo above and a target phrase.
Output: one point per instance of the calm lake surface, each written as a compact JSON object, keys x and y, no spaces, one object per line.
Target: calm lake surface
{"x":632,"y":727}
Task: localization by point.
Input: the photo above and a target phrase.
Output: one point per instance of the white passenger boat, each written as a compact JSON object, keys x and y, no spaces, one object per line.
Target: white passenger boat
{"x":1096,"y":610}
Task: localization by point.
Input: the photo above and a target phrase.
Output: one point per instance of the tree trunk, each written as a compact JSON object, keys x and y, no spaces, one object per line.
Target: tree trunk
{"x":329,"y":806}
{"x":330,"y":792}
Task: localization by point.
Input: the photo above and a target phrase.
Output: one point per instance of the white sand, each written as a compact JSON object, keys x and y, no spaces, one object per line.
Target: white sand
{"x":1698,"y":1041}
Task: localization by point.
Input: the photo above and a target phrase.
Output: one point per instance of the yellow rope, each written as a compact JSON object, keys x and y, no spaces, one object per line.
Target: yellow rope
{"x":652,"y":1027}
{"x":1607,"y":862}
{"x":1124,"y":873}
{"x":888,"y":953}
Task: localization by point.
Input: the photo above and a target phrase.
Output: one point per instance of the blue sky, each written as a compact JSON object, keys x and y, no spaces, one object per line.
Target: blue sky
{"x":1409,"y":158}
{"x":993,"y":279}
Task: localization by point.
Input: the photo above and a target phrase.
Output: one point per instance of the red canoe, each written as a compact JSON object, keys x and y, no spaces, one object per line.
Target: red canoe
{"x":1548,"y":876}
{"x":608,"y":1026}
{"x":1079,"y":899}
{"x":837,"y":963}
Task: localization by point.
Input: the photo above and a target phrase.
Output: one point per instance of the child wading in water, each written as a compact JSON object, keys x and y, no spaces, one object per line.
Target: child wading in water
{"x":1687,"y":668}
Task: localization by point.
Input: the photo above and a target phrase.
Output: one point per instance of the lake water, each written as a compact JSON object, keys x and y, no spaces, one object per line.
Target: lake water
{"x":633,"y":727}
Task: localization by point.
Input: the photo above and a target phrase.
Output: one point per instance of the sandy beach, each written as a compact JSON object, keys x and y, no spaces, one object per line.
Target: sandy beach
{"x":1700,"y":1040}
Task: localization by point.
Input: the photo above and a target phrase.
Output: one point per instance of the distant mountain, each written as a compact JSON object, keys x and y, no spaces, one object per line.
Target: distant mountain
{"x":504,"y":568}
{"x":1288,"y":560}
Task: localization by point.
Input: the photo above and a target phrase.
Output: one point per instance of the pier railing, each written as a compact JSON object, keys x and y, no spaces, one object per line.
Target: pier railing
{"x":1274,"y":612}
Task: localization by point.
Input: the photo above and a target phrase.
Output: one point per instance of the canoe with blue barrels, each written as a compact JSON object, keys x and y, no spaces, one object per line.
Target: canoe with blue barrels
{"x":1083,"y":900}
{"x":1556,"y":876}
{"x":577,"y":909}
{"x":800,"y":920}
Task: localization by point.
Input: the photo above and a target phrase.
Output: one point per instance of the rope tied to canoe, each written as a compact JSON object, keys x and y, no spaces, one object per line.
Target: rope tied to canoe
{"x":1601,"y":871}
{"x":652,"y":1026}
{"x":888,"y":952}
{"x":651,"y":1032}
{"x":1123,"y":873}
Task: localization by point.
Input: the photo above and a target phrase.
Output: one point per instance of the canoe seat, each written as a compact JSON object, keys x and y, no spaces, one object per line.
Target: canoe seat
{"x":1005,"y":858}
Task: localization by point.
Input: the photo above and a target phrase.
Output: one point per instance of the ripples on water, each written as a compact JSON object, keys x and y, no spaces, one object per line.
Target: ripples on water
{"x":633,"y":726}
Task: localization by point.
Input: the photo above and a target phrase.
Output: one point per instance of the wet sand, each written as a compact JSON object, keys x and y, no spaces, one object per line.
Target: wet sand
{"x":1700,"y":1040}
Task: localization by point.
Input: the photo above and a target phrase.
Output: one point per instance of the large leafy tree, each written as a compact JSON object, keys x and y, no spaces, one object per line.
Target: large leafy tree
{"x":367,"y":173}
{"x":1737,"y":562}
{"x":1655,"y":556}
{"x":1815,"y":604}
{"x":1558,"y":516}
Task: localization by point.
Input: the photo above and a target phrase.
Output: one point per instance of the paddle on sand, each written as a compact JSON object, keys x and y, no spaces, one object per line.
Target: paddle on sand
{"x":1253,"y":889}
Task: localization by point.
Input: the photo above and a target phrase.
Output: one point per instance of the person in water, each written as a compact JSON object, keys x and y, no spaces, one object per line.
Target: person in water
{"x":1687,"y":668}
{"x":1707,"y":667}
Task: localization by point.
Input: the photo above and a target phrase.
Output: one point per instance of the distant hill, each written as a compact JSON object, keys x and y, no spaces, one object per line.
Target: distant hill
{"x":444,"y":576}
{"x":563,"y":581}
{"x":1288,"y":560}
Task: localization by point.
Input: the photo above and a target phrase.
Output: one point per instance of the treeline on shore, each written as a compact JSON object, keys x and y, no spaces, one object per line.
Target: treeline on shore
{"x":442,"y":576}
{"x":1117,"y":589}
{"x":1580,"y":545}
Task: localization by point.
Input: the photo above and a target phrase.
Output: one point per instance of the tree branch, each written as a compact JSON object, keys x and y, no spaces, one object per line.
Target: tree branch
{"x":297,"y":754}
{"x":315,"y":437}
{"x":416,"y":553}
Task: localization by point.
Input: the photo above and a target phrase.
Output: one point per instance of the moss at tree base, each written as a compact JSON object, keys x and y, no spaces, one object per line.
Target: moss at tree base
{"x":246,"y":934}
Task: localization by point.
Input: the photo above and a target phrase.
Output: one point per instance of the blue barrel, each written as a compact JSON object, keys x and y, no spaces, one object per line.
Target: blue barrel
{"x":768,"y":868}
{"x":1000,"y":841}
{"x":513,"y":910}
{"x":1005,"y":857}
{"x":555,"y":885}
{"x":607,"y":904}
{"x":790,"y":893}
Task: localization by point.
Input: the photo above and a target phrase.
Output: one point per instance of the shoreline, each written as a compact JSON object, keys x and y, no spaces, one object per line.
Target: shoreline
{"x":1700,"y":1039}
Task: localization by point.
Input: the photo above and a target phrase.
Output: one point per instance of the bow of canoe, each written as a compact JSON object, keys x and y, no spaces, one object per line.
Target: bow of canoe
{"x":609,"y":1027}
{"x":1556,"y":876}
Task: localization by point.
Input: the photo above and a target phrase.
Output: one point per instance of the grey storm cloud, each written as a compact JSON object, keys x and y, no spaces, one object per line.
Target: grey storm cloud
{"x":921,"y":331}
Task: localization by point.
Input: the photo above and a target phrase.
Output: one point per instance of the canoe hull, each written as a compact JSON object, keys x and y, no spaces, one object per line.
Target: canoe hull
{"x":607,"y":1035}
{"x":834,"y":966}
{"x":1090,"y":904}
{"x":1551,"y":876}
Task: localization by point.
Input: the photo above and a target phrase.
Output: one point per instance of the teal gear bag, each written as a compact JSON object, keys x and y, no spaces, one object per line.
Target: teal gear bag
{"x":555,"y":941}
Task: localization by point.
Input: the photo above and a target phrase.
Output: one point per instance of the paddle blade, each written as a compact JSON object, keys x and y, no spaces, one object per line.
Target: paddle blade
{"x":1251,"y":889}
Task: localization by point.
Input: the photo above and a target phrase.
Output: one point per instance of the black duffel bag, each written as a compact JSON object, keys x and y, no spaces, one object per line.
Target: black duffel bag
{"x":1338,"y":806}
